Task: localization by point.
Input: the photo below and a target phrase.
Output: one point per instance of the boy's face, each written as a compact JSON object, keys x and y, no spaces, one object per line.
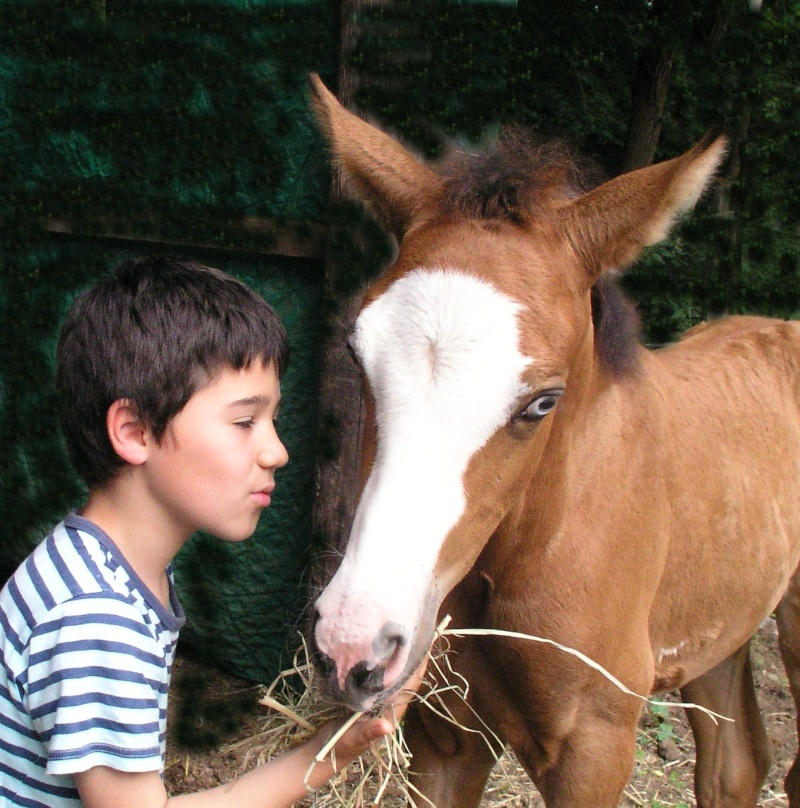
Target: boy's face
{"x":214,"y":468}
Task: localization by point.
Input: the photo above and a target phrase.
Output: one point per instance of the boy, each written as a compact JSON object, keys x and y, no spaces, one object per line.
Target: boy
{"x":169,"y":377}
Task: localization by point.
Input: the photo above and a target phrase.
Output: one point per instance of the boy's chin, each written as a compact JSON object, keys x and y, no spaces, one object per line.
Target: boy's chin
{"x":235,"y":536}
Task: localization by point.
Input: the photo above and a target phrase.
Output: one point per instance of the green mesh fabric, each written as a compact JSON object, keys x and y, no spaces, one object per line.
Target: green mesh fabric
{"x":164,"y":121}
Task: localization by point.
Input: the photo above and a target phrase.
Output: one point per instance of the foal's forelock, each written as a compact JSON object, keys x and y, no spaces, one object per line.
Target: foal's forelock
{"x":517,"y":180}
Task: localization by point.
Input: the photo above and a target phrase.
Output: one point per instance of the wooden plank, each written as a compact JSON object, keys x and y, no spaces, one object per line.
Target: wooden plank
{"x":286,"y":237}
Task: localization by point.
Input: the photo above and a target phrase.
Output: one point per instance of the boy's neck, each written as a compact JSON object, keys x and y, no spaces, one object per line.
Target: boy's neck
{"x":146,"y":542}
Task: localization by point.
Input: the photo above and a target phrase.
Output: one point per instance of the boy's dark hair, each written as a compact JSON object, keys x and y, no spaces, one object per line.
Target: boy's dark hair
{"x":154,"y":332}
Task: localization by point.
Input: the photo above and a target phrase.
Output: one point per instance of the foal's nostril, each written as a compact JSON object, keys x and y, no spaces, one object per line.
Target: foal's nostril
{"x":370,"y":681}
{"x":391,"y":637}
{"x":363,"y":680}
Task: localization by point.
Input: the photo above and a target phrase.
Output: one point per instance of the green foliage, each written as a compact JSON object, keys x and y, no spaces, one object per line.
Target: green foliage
{"x":576,"y":62}
{"x":436,"y":71}
{"x":37,"y":482}
{"x":741,"y":254}
{"x":454,"y":71}
{"x":738,"y":71}
{"x":184,"y":115}
{"x":664,"y":730}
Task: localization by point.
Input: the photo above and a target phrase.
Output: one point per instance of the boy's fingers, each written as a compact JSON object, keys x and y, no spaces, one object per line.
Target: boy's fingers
{"x":403,"y":697}
{"x":377,"y":728}
{"x":362,"y":734}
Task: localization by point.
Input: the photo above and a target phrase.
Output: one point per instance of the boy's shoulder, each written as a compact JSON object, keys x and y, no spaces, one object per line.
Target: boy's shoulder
{"x":76,"y":573}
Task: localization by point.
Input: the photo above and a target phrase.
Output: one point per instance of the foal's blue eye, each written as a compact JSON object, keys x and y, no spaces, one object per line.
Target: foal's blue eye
{"x":538,"y":407}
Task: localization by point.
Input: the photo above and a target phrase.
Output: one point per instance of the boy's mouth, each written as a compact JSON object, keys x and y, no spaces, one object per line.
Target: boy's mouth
{"x":264,"y":496}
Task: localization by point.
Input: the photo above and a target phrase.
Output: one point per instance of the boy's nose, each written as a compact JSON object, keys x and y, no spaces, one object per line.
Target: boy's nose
{"x":273,"y":454}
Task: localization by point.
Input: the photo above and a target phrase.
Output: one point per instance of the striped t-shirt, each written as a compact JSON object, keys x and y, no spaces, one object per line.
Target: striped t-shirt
{"x":87,"y":653}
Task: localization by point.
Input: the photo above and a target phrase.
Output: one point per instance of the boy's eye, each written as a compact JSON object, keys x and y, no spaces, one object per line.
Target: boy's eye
{"x":247,"y":423}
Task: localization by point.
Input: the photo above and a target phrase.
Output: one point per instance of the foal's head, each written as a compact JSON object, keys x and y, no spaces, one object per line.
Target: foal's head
{"x":476,"y":346}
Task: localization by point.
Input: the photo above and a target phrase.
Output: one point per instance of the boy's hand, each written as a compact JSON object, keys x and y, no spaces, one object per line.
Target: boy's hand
{"x":356,"y":741}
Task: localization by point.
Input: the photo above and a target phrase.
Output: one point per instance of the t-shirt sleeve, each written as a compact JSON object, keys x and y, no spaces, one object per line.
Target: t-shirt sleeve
{"x":94,"y":677}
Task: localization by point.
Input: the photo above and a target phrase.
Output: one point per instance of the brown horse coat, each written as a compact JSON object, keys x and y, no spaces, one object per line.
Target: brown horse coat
{"x":530,"y":468}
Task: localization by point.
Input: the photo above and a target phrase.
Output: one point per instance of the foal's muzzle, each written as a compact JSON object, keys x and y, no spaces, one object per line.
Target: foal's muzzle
{"x":361,"y":684}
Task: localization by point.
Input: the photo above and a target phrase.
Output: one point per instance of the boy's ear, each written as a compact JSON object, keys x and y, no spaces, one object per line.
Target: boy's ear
{"x":127,"y":432}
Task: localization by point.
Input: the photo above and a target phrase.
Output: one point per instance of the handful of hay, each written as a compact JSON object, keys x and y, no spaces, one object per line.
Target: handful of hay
{"x":300,"y":707}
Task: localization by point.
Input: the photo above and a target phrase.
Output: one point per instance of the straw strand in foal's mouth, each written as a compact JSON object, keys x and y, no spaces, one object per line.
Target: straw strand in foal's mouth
{"x":479,"y":632}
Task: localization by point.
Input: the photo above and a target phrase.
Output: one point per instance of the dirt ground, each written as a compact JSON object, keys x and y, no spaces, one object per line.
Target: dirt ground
{"x":215,"y":721}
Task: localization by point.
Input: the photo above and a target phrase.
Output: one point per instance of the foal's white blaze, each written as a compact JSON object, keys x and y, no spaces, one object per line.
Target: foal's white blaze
{"x":441,"y":351}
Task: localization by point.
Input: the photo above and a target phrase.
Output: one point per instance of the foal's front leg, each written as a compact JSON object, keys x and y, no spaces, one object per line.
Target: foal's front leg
{"x":594,"y":762}
{"x":732,"y":757}
{"x":450,"y":766}
{"x":587,"y":766}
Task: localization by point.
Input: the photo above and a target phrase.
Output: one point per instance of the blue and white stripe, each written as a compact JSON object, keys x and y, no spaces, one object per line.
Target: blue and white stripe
{"x":87,"y":653}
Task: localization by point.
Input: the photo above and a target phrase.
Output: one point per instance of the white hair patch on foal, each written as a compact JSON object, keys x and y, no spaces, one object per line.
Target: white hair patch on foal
{"x":441,"y":351}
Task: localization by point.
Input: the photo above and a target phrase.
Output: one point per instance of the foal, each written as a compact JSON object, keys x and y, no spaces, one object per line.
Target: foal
{"x":530,"y":467}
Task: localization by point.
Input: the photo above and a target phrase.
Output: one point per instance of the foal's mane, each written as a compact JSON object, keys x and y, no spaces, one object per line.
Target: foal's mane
{"x":617,"y":328}
{"x":519,"y":181}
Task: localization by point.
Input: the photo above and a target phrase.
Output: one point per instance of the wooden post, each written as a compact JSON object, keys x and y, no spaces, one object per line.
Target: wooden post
{"x":341,"y":391}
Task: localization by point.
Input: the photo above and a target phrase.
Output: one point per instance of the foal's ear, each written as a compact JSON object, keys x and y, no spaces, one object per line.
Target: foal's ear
{"x":611,"y":225}
{"x":394,"y":182}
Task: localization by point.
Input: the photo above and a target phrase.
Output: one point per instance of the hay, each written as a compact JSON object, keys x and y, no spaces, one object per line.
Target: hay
{"x":300,"y":707}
